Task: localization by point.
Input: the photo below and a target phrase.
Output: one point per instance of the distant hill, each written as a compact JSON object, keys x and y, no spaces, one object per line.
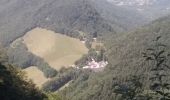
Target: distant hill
{"x":119,"y":16}
{"x":151,"y":9}
{"x":139,"y":2}
{"x":63,"y":16}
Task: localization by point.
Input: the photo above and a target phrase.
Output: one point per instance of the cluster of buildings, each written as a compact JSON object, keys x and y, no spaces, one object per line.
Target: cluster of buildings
{"x":95,"y":65}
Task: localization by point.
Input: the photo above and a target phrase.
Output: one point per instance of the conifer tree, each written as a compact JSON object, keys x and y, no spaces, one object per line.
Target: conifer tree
{"x":158,"y":56}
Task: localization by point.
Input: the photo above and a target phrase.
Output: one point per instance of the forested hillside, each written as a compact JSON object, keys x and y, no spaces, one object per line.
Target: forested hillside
{"x":125,"y":58}
{"x":129,"y":47}
{"x":63,"y":16}
{"x":14,"y":85}
{"x":125,"y":18}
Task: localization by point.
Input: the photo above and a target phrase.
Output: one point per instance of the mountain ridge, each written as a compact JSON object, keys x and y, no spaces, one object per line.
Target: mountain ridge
{"x":62,"y":16}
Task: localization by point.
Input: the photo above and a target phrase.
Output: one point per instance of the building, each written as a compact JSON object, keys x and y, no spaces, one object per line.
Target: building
{"x":95,"y":65}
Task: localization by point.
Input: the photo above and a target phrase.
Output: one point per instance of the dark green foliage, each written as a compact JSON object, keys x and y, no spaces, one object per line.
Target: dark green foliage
{"x":132,"y":90}
{"x":92,"y":54}
{"x":61,"y":79}
{"x":46,"y":69}
{"x":82,"y":61}
{"x":101,"y":55}
{"x":159,"y":57}
{"x":3,"y":55}
{"x":14,"y":86}
{"x":88,"y":44}
{"x":56,"y":83}
{"x":19,"y":56}
{"x":90,"y":86}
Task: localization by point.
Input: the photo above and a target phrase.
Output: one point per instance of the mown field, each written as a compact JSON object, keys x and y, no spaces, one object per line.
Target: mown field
{"x":56,"y":49}
{"x":36,"y":76}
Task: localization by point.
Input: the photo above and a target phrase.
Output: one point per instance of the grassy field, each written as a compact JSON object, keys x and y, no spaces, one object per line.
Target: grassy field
{"x":35,"y":75}
{"x":56,"y":49}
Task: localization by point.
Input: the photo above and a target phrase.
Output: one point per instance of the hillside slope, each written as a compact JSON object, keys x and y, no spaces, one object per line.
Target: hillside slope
{"x":63,"y":16}
{"x":129,"y":47}
{"x":58,"y":15}
{"x":15,"y":86}
{"x":125,"y":58}
{"x":125,"y":18}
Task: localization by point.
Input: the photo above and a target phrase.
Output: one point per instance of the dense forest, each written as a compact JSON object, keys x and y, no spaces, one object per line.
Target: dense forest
{"x":127,"y":66}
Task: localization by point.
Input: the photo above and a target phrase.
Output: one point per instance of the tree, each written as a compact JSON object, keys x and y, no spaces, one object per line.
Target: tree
{"x":132,"y":90}
{"x":158,"y":57}
{"x":14,"y":86}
